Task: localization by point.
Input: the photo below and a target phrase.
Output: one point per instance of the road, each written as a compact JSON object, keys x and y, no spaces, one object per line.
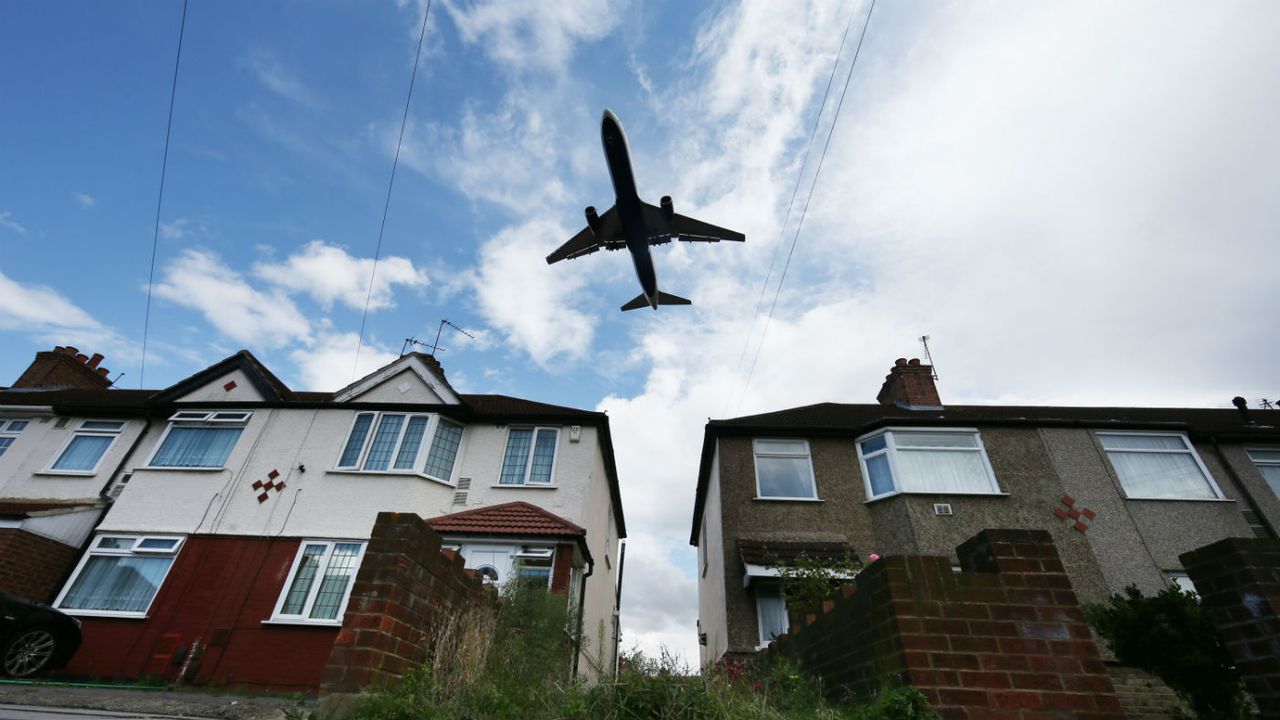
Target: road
{"x":29,"y":712}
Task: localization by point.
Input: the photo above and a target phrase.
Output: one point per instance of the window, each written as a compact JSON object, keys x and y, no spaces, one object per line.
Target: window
{"x":771,"y":610}
{"x":1182,"y":581}
{"x":533,"y":565}
{"x":87,"y":445}
{"x":783,"y":470}
{"x":1268,"y":462}
{"x":9,"y":430}
{"x":940,"y":461}
{"x":320,"y":582}
{"x":397,"y":442}
{"x":530,"y":457}
{"x":119,"y":575}
{"x":1158,"y":466}
{"x":199,"y":439}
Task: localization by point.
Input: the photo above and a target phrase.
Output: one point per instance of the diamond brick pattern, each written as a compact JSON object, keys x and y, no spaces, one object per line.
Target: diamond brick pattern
{"x":273,"y":474}
{"x":513,"y":518}
{"x":1080,"y":516}
{"x":268,"y":486}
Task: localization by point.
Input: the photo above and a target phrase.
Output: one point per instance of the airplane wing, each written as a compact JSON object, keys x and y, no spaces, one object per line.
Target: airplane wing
{"x":587,"y":242}
{"x":685,"y":228}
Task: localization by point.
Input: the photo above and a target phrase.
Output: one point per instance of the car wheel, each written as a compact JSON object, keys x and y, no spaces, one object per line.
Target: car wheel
{"x":27,"y":652}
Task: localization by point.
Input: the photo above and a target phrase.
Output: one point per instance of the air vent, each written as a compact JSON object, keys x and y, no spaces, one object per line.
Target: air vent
{"x":460,"y":498}
{"x":464,"y":483}
{"x":942,"y":509}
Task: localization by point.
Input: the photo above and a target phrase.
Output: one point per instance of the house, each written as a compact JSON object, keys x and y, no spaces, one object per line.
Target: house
{"x":1122,"y":491}
{"x":238,"y":510}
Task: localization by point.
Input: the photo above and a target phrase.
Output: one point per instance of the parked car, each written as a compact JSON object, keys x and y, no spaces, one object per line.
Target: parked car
{"x":34,"y":637}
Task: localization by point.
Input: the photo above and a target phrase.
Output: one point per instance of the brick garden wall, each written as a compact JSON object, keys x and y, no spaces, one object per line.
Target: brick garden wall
{"x":405,"y":585}
{"x":1005,"y":639}
{"x":33,"y":567}
{"x":1239,"y":583}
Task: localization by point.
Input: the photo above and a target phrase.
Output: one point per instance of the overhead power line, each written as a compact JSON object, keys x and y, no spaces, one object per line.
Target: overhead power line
{"x":805,"y":210}
{"x":386,"y":205}
{"x":164,"y":165}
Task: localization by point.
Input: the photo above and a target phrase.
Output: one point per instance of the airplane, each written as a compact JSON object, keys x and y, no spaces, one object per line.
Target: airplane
{"x":635,"y":224}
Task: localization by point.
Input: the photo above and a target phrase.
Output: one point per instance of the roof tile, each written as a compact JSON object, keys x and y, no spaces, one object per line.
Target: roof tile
{"x":513,"y":518}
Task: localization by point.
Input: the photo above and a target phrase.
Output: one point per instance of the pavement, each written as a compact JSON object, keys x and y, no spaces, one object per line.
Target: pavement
{"x":33,"y":701}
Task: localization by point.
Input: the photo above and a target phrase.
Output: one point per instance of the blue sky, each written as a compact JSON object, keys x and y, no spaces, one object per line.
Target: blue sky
{"x":1075,"y":200}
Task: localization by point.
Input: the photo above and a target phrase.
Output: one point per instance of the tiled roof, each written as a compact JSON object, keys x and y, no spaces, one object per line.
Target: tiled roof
{"x":513,"y":518}
{"x":76,"y":398}
{"x":788,"y":552}
{"x":23,"y":508}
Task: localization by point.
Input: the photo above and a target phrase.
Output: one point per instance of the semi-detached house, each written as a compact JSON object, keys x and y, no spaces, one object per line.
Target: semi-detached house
{"x":214,"y":528}
{"x":1123,"y":492}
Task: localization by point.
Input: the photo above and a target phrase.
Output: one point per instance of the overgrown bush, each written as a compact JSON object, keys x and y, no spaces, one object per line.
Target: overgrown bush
{"x":1171,"y":636}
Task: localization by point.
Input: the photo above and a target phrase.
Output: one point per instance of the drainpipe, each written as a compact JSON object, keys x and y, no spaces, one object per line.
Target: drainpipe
{"x":582,"y":598}
{"x":617,"y":607}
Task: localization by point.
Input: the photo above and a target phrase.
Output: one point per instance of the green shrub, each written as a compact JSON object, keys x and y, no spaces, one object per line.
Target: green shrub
{"x":1170,"y":635}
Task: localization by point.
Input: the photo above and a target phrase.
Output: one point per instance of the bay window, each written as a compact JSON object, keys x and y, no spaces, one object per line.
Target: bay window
{"x":198,"y":439}
{"x":1158,"y":466}
{"x":319,"y":583}
{"x":402,"y":443}
{"x":531,"y":456}
{"x":87,"y":445}
{"x":119,"y":575}
{"x":939,"y":461}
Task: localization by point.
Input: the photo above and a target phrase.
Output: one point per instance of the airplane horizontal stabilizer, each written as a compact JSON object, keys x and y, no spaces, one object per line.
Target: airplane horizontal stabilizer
{"x":669,"y":299}
{"x":636,"y":303}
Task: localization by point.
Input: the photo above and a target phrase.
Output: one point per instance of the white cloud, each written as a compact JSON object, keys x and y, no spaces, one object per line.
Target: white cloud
{"x":278,"y":79}
{"x":328,"y":273}
{"x":522,"y":35}
{"x":84,"y":200}
{"x":258,"y":317}
{"x":525,"y":299}
{"x":6,"y":220}
{"x":175,"y":230}
{"x":330,"y":363}
{"x":53,"y":318}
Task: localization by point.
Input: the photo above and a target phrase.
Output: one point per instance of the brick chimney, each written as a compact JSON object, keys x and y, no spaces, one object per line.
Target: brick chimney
{"x":910,"y":385}
{"x":64,"y":367}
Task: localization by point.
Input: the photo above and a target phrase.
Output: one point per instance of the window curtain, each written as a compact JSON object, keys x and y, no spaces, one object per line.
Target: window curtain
{"x":197,"y":447}
{"x":117,"y":583}
{"x":881,"y":477}
{"x":544,"y":454}
{"x":943,"y":471}
{"x":444,"y":450}
{"x":518,"y":442}
{"x":83,"y":452}
{"x":772,"y":609}
{"x":355,"y":443}
{"x":1160,"y":475}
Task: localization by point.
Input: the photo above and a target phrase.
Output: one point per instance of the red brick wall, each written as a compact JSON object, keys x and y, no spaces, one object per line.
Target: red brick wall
{"x":212,"y":605}
{"x":1005,"y":639}
{"x":1239,"y":583}
{"x":32,"y":566}
{"x":62,"y":367}
{"x":405,"y":584}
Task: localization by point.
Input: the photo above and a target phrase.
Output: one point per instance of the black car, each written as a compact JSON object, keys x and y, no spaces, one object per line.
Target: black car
{"x":34,"y":637}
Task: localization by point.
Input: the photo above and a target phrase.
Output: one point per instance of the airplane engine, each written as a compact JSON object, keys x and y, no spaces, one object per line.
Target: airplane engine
{"x":668,"y":209}
{"x":593,"y":220}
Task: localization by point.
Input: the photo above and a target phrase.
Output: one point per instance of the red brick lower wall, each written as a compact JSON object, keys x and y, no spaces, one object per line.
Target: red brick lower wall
{"x":404,"y":586}
{"x":33,"y":567}
{"x":206,"y":624}
{"x":1239,"y":583}
{"x":1005,"y":639}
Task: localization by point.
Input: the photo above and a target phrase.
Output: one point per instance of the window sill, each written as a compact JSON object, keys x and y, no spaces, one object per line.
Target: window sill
{"x":66,"y":473}
{"x":525,"y":486}
{"x":103,"y":614}
{"x":388,"y":473}
{"x":788,"y":499}
{"x":332,"y":624}
{"x":1168,"y":499}
{"x":166,"y":468}
{"x":889,"y":496}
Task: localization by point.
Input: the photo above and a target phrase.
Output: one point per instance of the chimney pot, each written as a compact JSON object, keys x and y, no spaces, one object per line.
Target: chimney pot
{"x":59,"y":349}
{"x":913,"y":361}
{"x":909,"y":385}
{"x":71,"y":350}
{"x":93,"y":361}
{"x":900,"y":362}
{"x":103,"y":371}
{"x":82,"y":358}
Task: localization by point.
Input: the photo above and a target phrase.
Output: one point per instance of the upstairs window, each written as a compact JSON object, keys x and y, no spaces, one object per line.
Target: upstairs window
{"x":1268,"y":463}
{"x":196,"y":439}
{"x":120,"y":575}
{"x":87,"y":445}
{"x":940,"y":461}
{"x":399,"y":442}
{"x":784,"y":470}
{"x":9,"y":430}
{"x":319,"y":584}
{"x":1160,"y":466}
{"x":531,"y":456}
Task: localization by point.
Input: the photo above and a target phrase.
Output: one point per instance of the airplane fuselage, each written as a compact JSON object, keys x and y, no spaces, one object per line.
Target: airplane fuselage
{"x":630,"y":209}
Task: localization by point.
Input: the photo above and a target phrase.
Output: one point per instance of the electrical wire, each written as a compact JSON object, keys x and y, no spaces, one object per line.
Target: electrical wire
{"x":782,"y":231}
{"x":377,"y":253}
{"x":164,"y":166}
{"x":805,"y":210}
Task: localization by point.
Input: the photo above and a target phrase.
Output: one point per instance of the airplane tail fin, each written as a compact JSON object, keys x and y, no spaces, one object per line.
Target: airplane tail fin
{"x":640,"y":301}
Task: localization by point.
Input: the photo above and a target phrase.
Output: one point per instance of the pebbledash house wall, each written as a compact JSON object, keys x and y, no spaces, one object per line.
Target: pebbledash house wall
{"x":1130,"y":541}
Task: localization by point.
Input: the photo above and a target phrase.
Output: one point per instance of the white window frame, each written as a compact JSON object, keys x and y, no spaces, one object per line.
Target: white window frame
{"x":304,"y":618}
{"x":1189,"y":449}
{"x":782,"y":595}
{"x":528,"y":462}
{"x":87,"y":432}
{"x":424,"y":447}
{"x":12,"y":435}
{"x":891,"y":452}
{"x":1181,"y":580}
{"x":533,"y":552}
{"x":808,"y":456}
{"x":195,"y":418}
{"x":1264,"y":463}
{"x":95,"y":550}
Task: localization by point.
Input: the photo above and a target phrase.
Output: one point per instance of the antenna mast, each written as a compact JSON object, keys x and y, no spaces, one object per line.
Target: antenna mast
{"x":434,"y":346}
{"x":924,"y":340}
